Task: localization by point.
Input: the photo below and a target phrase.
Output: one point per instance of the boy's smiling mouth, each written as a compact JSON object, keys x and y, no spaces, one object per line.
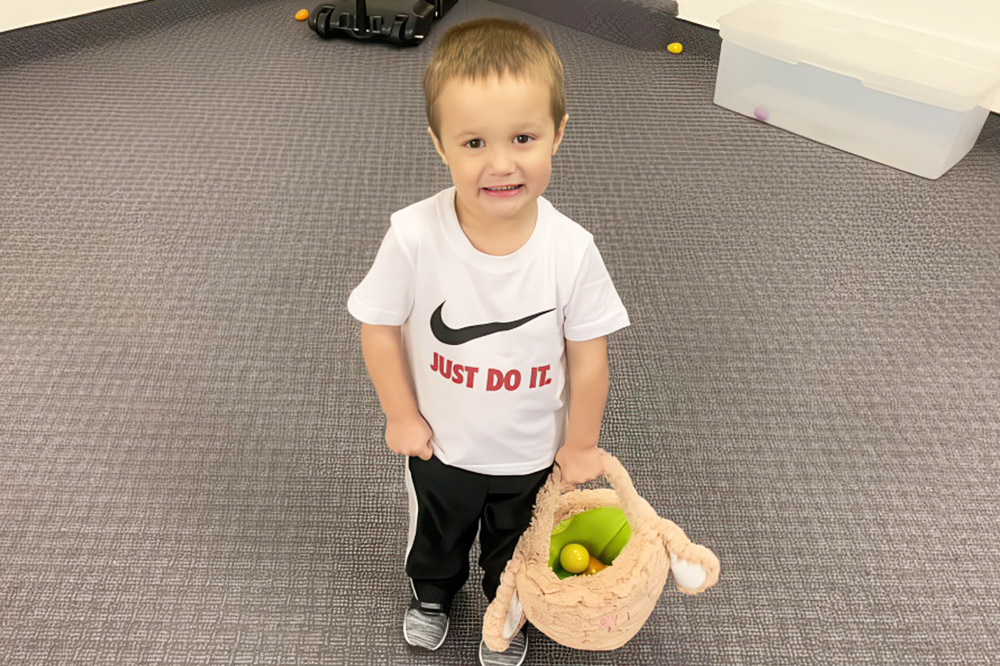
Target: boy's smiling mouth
{"x":503,"y":190}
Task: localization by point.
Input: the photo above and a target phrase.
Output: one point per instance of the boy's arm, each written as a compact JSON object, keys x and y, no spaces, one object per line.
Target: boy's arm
{"x":587,"y":361}
{"x":406,"y":431}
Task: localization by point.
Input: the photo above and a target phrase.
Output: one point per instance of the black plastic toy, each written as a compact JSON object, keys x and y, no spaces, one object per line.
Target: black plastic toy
{"x":401,"y":22}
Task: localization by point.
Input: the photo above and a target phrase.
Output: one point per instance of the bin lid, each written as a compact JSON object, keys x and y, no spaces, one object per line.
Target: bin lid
{"x":885,"y":57}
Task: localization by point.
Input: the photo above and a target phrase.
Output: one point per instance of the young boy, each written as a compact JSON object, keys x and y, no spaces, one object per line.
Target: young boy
{"x":484,"y":318}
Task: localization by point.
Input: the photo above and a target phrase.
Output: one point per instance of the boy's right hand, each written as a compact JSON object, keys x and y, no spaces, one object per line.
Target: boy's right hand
{"x":409,"y":437}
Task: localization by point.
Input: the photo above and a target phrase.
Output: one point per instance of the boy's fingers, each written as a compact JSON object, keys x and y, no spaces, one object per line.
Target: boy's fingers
{"x":426,"y":453}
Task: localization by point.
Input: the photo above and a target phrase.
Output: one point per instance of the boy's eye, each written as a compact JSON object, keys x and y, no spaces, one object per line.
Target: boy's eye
{"x":522,"y":138}
{"x":474,"y":143}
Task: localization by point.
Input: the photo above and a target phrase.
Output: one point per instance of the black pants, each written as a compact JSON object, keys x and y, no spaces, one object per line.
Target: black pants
{"x":451,"y":504}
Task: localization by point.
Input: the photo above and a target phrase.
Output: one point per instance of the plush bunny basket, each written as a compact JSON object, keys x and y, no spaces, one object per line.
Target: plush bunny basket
{"x":605,"y":610}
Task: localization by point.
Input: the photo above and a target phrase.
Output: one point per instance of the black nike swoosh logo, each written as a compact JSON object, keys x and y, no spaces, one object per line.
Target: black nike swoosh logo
{"x":458,"y":336}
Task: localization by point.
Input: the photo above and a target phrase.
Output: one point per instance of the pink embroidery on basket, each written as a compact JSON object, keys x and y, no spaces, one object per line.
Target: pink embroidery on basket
{"x":610,"y":622}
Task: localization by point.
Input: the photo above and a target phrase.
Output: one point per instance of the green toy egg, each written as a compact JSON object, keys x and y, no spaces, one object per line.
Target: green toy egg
{"x":616,"y":544}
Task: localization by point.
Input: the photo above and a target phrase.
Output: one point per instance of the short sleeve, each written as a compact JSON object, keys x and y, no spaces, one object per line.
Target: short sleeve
{"x":594,"y":308}
{"x":385,"y":296}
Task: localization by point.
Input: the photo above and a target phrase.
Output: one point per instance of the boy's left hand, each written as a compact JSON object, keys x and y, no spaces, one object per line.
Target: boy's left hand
{"x":579,"y":465}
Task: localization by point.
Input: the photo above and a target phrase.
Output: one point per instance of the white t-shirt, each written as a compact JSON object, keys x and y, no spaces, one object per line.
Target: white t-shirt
{"x":485,"y":335}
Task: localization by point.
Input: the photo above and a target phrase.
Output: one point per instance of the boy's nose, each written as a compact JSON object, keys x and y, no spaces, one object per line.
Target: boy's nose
{"x":501,"y":162}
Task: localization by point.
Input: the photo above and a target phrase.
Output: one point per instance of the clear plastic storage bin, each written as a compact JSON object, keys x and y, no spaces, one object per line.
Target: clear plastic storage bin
{"x":897,"y":96}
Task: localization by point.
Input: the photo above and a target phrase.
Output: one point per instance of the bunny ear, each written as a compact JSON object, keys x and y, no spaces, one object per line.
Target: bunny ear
{"x":695,"y":567}
{"x":674,"y":537}
{"x":515,"y":618}
{"x":505,"y":615}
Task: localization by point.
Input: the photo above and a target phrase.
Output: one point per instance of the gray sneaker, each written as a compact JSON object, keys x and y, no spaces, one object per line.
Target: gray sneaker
{"x":512,"y":656}
{"x":425,"y":625}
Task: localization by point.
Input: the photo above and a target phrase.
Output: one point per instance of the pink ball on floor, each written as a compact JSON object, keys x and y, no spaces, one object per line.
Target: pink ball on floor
{"x":761,"y":113}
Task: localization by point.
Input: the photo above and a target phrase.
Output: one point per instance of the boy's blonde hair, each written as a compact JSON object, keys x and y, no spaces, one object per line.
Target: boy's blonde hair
{"x":493,"y":47}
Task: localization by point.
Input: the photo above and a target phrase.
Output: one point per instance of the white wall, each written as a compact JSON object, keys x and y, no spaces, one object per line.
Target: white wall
{"x":19,"y":13}
{"x":972,"y":22}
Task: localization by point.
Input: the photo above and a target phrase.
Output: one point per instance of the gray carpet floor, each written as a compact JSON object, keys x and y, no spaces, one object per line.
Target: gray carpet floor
{"x":191,"y":459}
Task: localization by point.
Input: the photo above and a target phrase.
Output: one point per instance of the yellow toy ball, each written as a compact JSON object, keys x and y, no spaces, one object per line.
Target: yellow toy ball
{"x":302,"y":15}
{"x":675,"y":47}
{"x":574,"y":558}
{"x":594,"y":566}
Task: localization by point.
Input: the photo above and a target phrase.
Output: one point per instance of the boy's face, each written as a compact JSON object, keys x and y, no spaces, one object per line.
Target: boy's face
{"x":497,"y":133}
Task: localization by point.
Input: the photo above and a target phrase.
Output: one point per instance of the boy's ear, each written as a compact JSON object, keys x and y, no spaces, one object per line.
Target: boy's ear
{"x":437,"y":145}
{"x":559,"y":134}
